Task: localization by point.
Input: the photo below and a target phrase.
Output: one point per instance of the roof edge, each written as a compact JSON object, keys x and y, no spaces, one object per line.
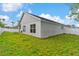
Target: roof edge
{"x":45,"y":19}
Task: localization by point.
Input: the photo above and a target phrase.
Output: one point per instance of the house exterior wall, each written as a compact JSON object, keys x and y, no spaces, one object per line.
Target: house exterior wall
{"x":71,"y":30}
{"x":50,"y":29}
{"x":27,"y":20}
{"x":45,"y":28}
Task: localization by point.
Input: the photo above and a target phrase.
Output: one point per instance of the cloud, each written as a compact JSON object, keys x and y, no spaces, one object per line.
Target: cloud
{"x":70,"y":12}
{"x":20,"y":14}
{"x":29,"y":11}
{"x":67,"y":17}
{"x":77,"y":25}
{"x":4,"y":17}
{"x":77,"y":11}
{"x":70,"y":20}
{"x":67,"y":21}
{"x":8,"y":7}
{"x":54,"y":18}
{"x":7,"y":21}
{"x":73,"y":17}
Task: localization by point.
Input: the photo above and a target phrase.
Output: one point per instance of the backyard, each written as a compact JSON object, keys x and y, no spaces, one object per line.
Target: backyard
{"x":17,"y":44}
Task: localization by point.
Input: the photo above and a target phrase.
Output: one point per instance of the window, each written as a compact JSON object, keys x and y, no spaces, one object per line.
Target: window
{"x":33,"y":28}
{"x":24,"y":28}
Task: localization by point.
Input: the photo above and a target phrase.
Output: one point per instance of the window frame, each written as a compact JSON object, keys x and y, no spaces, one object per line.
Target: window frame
{"x":32,"y":28}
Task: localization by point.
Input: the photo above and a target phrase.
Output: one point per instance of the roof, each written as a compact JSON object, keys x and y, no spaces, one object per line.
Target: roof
{"x":40,"y":18}
{"x":21,"y":18}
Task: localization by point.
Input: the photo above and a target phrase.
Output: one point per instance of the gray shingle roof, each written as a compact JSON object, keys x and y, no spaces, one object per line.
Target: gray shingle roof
{"x":45,"y":19}
{"x":40,"y":18}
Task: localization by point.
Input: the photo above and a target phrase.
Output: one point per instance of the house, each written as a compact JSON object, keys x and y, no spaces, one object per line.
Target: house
{"x":38,"y":26}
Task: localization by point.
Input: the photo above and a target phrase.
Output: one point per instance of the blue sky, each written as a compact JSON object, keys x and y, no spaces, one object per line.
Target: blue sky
{"x":13,"y":12}
{"x":54,"y":9}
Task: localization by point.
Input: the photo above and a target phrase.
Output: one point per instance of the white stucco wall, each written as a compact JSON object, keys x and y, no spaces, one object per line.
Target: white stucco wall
{"x":50,"y":29}
{"x":29,"y":19}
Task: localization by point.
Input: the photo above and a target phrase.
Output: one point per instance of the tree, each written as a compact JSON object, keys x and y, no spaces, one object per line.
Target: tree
{"x":74,"y":11}
{"x":13,"y":23}
{"x":1,"y":23}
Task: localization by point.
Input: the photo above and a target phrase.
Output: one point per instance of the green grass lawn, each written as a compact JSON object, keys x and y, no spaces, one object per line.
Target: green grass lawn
{"x":17,"y":44}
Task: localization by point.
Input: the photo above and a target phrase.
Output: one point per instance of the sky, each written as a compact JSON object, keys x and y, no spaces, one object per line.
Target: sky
{"x":54,"y":11}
